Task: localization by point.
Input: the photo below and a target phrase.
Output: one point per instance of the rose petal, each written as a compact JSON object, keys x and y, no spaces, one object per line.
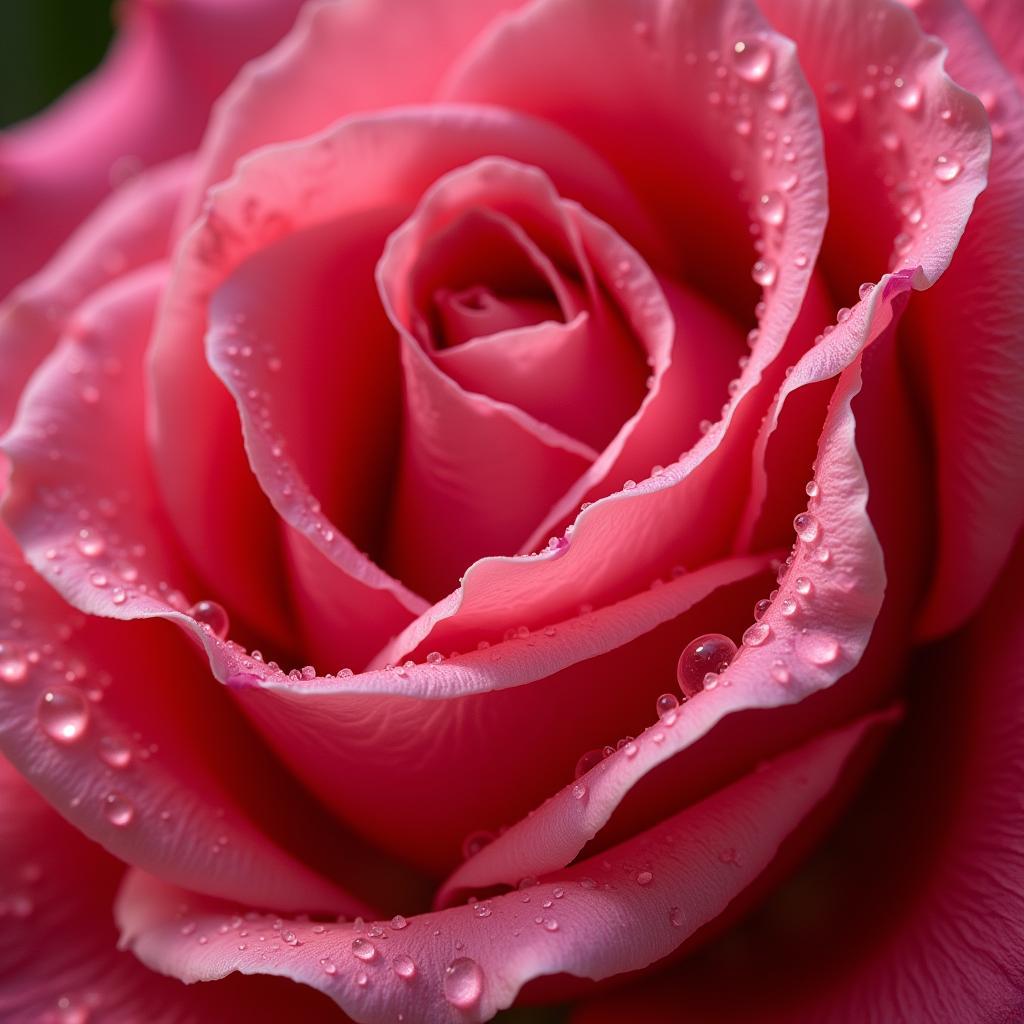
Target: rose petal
{"x":341,"y":59}
{"x":783,"y":660}
{"x":469,"y":962}
{"x":966,"y":334}
{"x":129,"y":229}
{"x":63,"y":965}
{"x":936,"y":935}
{"x":389,"y":160}
{"x":1000,"y":20}
{"x":105,"y":546}
{"x":148,"y":102}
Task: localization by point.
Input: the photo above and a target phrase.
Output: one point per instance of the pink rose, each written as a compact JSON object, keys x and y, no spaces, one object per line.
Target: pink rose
{"x":724,"y":299}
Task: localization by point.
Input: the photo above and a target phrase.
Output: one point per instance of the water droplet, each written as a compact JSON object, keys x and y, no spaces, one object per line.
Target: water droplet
{"x":115,"y":751}
{"x":802,"y":584}
{"x":756,"y":634}
{"x":329,"y":968}
{"x":675,"y":917}
{"x":398,"y":922}
{"x":666,"y":704}
{"x":550,"y":924}
{"x":463,"y":983}
{"x":752,"y":59}
{"x":760,"y":608}
{"x":63,"y":714}
{"x":362,"y":979}
{"x":644,"y":878}
{"x":819,"y":649}
{"x":363,"y":949}
{"x":788,"y":607}
{"x":209,"y":613}
{"x":763,"y":273}
{"x":118,"y":810}
{"x":908,"y":94}
{"x":90,"y":544}
{"x":709,"y":653}
{"x":806,"y":527}
{"x":779,"y":671}
{"x":771,"y":208}
{"x":404,"y":966}
{"x":13,"y":667}
{"x":579,"y":791}
{"x":435,"y":658}
{"x":481,"y":910}
{"x":589,"y":760}
{"x":946,"y":168}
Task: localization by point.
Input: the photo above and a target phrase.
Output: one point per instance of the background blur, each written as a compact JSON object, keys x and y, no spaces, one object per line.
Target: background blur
{"x":45,"y":46}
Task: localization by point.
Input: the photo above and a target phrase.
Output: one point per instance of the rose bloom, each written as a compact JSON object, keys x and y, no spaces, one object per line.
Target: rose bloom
{"x":517,"y":503}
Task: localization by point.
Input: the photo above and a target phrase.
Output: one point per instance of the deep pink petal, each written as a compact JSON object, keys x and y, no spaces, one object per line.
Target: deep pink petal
{"x":128,"y":230}
{"x":966,"y":336}
{"x":106,"y":548}
{"x":605,"y":916}
{"x":148,"y":102}
{"x":61,"y":963}
{"x":936,"y":935}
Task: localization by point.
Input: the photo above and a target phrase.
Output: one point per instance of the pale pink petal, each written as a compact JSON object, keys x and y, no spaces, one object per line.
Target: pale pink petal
{"x":131,"y":228}
{"x":342,"y":59}
{"x":148,"y":102}
{"x":936,"y":935}
{"x":61,"y":963}
{"x":105,"y":547}
{"x":966,"y":340}
{"x":618,"y":913}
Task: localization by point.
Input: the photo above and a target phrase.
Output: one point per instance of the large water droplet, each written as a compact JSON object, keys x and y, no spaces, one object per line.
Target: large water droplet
{"x":806,"y":527}
{"x":63,"y":714}
{"x":118,"y":810}
{"x":13,"y":667}
{"x":763,"y":273}
{"x":209,"y":613}
{"x":363,"y":949}
{"x":666,"y":704}
{"x":771,"y":208}
{"x":463,"y":983}
{"x":589,"y":760}
{"x":709,"y":653}
{"x":404,"y":966}
{"x":752,"y":59}
{"x":946,"y":168}
{"x":398,"y":922}
{"x":756,"y":634}
{"x":90,"y":544}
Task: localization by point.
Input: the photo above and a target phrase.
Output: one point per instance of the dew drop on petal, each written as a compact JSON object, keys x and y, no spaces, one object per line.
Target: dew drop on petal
{"x":589,"y":760}
{"x":90,"y":544}
{"x":711,"y":652}
{"x":463,"y":983}
{"x":806,"y":526}
{"x":363,"y":949}
{"x":752,"y":59}
{"x":475,"y":842}
{"x":644,"y":878}
{"x":771,"y":208}
{"x":908,"y":94}
{"x":756,"y":634}
{"x":675,"y":917}
{"x":404,"y":966}
{"x":946,"y":168}
{"x":209,"y":613}
{"x":63,"y":714}
{"x":118,"y":810}
{"x":115,"y":751}
{"x":666,"y":704}
{"x":763,"y":273}
{"x":819,"y":649}
{"x":13,"y":667}
{"x":761,"y":607}
{"x":398,"y":922}
{"x":802,"y":585}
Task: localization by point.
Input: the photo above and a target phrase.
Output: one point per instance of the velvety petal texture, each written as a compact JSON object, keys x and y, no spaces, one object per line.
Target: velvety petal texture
{"x":643,"y":898}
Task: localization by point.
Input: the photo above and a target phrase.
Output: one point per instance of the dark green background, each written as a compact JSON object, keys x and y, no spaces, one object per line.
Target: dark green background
{"x":45,"y":46}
